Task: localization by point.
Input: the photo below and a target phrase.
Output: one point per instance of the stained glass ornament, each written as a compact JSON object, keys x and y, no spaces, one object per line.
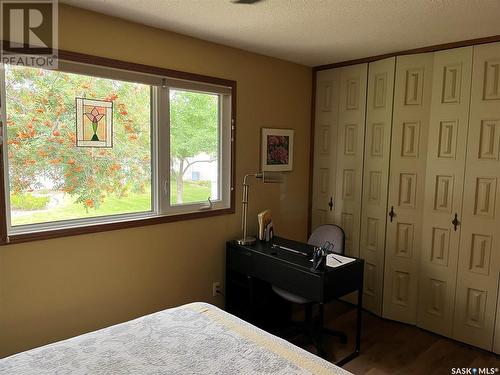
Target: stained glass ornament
{"x":94,"y":123}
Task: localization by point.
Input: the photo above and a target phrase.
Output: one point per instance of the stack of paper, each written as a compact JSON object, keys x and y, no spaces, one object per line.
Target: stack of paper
{"x":335,"y":260}
{"x":264,"y":218}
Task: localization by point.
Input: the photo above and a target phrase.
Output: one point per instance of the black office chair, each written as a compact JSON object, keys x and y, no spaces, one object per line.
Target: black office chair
{"x":335,"y":235}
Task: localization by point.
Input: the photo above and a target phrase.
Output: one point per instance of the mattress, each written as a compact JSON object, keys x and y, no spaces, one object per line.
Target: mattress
{"x":196,"y":338}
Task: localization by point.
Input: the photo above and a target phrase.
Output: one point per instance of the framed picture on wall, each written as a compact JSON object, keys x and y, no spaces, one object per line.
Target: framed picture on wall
{"x":277,"y":149}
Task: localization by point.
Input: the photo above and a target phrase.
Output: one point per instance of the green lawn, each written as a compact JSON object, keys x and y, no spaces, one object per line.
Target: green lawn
{"x":67,"y":209}
{"x":193,"y":191}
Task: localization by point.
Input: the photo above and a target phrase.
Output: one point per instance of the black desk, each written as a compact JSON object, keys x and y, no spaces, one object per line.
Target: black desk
{"x":290,"y":271}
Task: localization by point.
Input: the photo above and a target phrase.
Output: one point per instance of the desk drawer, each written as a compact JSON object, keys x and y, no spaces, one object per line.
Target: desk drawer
{"x":306,"y":284}
{"x":239,"y":259}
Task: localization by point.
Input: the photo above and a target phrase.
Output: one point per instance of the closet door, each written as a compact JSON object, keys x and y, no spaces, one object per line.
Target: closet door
{"x":325,"y":150}
{"x":412,"y":94}
{"x":443,"y":188}
{"x":479,"y":254}
{"x":376,"y":179}
{"x":350,"y":147}
{"x":496,"y":344}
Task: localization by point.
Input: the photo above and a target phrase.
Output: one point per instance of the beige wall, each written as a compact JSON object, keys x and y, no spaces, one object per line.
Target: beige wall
{"x":54,"y":289}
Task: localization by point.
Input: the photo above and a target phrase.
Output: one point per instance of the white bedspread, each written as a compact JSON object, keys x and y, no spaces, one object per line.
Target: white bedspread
{"x":197,"y":338}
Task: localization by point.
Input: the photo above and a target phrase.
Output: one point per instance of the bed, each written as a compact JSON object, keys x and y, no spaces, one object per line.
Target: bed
{"x":196,"y":338}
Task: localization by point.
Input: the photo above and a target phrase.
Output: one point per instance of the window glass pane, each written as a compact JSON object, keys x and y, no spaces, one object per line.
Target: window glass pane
{"x":194,"y":147}
{"x":58,"y":171}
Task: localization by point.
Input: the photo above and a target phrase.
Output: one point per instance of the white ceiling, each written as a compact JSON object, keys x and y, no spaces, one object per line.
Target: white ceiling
{"x":314,"y":32}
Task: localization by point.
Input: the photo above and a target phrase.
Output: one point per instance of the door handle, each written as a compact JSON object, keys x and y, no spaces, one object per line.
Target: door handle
{"x":392,"y":213}
{"x":455,"y":222}
{"x":330,"y":204}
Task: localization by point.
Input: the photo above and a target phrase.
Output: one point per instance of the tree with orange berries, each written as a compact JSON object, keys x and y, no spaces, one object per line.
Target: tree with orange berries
{"x":41,"y":127}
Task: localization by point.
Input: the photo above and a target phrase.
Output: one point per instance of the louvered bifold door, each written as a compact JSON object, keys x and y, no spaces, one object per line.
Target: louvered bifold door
{"x":479,"y":254}
{"x":350,"y":147}
{"x":325,"y":147}
{"x":376,"y":179}
{"x":444,"y":184}
{"x":412,"y":99}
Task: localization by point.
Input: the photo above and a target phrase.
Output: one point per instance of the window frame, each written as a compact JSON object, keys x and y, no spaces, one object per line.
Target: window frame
{"x":223,"y":155}
{"x":161,"y":80}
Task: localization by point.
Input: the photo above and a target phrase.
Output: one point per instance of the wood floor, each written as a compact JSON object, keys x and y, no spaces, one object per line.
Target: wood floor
{"x":388,"y":347}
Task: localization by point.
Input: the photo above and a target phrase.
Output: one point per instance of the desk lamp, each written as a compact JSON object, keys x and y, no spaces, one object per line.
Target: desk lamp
{"x":267,"y":178}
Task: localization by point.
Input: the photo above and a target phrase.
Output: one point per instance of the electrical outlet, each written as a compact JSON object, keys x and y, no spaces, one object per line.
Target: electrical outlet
{"x":216,"y":288}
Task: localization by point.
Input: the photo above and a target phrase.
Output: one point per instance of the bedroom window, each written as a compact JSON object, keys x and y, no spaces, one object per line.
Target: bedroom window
{"x":198,"y":158}
{"x":89,"y":145}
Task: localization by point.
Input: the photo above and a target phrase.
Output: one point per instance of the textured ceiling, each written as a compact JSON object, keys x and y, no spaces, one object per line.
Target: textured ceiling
{"x":314,"y":32}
